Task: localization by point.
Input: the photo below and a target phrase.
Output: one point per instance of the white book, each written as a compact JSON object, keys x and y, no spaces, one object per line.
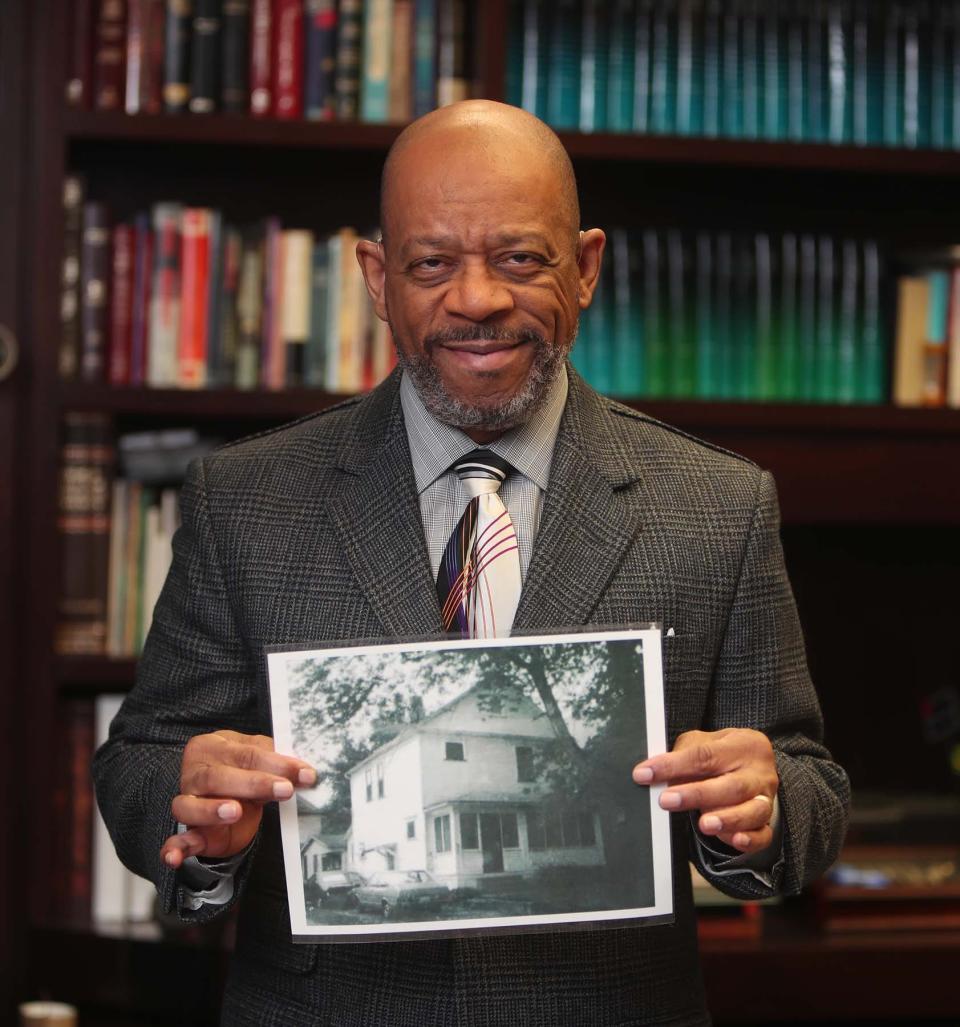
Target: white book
{"x":164,"y":325}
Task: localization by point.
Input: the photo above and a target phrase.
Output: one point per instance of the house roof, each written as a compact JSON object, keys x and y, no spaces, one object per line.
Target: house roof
{"x":504,"y":798}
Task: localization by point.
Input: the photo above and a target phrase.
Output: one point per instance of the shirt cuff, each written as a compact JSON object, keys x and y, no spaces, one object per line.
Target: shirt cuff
{"x":759,"y":864}
{"x":208,"y":882}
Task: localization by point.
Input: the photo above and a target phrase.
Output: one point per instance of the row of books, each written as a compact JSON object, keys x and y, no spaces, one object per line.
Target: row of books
{"x":180,"y":298}
{"x":792,"y":317}
{"x":927,"y":354}
{"x":867,"y":72}
{"x":118,"y":511}
{"x":373,"y":60}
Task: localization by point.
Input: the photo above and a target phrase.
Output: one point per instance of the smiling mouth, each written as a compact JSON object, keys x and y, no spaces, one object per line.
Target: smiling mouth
{"x":482,"y":348}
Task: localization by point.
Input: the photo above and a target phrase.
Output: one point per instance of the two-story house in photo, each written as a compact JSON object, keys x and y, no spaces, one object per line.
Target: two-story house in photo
{"x":457,"y":794}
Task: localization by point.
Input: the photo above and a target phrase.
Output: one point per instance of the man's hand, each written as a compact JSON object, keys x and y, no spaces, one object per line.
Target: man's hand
{"x":729,"y":776}
{"x":225,"y":779}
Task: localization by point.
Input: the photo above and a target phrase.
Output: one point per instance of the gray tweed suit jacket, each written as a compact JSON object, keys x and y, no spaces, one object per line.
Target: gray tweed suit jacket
{"x":312,"y":533}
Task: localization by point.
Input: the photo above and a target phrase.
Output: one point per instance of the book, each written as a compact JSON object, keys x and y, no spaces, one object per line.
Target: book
{"x":453,"y":65}
{"x":249,"y":311}
{"x":272,"y":352}
{"x":788,"y":342}
{"x":808,"y":324}
{"x":731,"y":92}
{"x":110,"y":55}
{"x":655,"y":350}
{"x":563,"y":68}
{"x":533,"y":93}
{"x":839,"y":91}
{"x":235,"y":56}
{"x":68,"y":353}
{"x":261,"y":58}
{"x":627,"y":350}
{"x":815,"y":89}
{"x":681,"y":355}
{"x":205,"y":53}
{"x":295,"y":303}
{"x":176,"y":64}
{"x":79,"y":84}
{"x":164,"y":317}
{"x":953,"y":343}
{"x":707,"y":385}
{"x":795,"y":79}
{"x":642,"y":66}
{"x":94,"y":290}
{"x":934,"y":389}
{"x":375,"y":85}
{"x":871,"y":378}
{"x":750,"y":70}
{"x":663,"y":66}
{"x":765,"y":372}
{"x":319,"y":290}
{"x":401,"y":71}
{"x":145,"y":56}
{"x":847,"y":370}
{"x":320,"y":45}
{"x":913,"y":298}
{"x":349,"y":40}
{"x":621,"y":72}
{"x":76,"y":728}
{"x":288,"y":59}
{"x":424,"y":85}
{"x":194,"y":297}
{"x":825,"y":350}
{"x":121,"y":306}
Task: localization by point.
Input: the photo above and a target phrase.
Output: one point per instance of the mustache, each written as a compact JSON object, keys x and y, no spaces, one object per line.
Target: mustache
{"x":485,"y":333}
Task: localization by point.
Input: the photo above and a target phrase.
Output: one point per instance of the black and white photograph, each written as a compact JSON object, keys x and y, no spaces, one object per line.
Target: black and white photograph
{"x":467,"y":785}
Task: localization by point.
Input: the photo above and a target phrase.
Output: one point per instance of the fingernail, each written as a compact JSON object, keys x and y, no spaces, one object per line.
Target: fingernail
{"x":170,"y":859}
{"x":307,"y":776}
{"x":643,"y":775}
{"x":227,"y":811}
{"x":711,"y":823}
{"x":670,"y":800}
{"x":282,"y":789}
{"x":741,"y":841}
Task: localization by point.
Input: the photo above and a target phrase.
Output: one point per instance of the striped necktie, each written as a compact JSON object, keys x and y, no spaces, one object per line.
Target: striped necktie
{"x":479,"y":581}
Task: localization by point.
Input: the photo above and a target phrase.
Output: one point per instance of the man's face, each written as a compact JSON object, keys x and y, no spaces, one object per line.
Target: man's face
{"x":482,"y":283}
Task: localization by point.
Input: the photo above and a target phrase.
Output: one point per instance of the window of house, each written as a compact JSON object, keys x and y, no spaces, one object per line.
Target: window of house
{"x":554,"y":831}
{"x":509,"y":832}
{"x":455,"y":751}
{"x":571,"y":829}
{"x":441,"y":830}
{"x":469,"y":833}
{"x":331,"y":861}
{"x":587,"y":834}
{"x":525,"y":763}
{"x":411,"y":829}
{"x":368,"y":780}
{"x":379,"y":780}
{"x":536,"y":833}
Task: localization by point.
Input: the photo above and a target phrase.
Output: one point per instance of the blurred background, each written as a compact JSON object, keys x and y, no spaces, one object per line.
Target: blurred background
{"x":182,"y":188}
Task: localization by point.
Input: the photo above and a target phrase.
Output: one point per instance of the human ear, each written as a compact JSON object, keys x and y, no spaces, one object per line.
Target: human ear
{"x":592,"y":243}
{"x":373,"y":265}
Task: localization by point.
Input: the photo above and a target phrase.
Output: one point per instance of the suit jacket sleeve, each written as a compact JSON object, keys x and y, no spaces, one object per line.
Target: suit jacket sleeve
{"x":195,"y":676}
{"x":761,"y":681}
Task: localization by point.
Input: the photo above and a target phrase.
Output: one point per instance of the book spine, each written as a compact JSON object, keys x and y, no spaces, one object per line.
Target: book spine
{"x":872,"y":367}
{"x":249,"y":313}
{"x":271,"y":350}
{"x":838,"y":74}
{"x":164,"y":329}
{"x":712,"y":35}
{"x":79,"y":85}
{"x":86,"y":462}
{"x":68,"y":355}
{"x":774,"y":98}
{"x":425,"y":58}
{"x":375,"y":93}
{"x":79,"y":855}
{"x":533,"y":87}
{"x":940,"y":91}
{"x":121,"y":307}
{"x":796,"y":91}
{"x":215,"y":360}
{"x":349,"y":38}
{"x":131,"y":561}
{"x":655,"y":354}
{"x":681,"y":357}
{"x":621,"y":64}
{"x":205,"y":57}
{"x":135,"y":59}
{"x":765,"y":369}
{"x":731,"y":92}
{"x":807,"y":341}
{"x":401,"y":86}
{"x":145,"y":46}
{"x":893,"y":77}
{"x":750,"y":70}
{"x":826,"y":346}
{"x":261,"y":54}
{"x":913,"y":299}
{"x":116,"y":570}
{"x":706,"y":346}
{"x":911,"y":78}
{"x":229,"y":340}
{"x":288,"y":60}
{"x":352,"y":295}
{"x":788,"y":356}
{"x":723,"y":323}
{"x":142,"y":279}
{"x":934,"y":389}
{"x":815,"y":130}
{"x":110,"y":55}
{"x":847,"y":342}
{"x":453,"y":75}
{"x":320,"y":95}
{"x":331,"y":375}
{"x":319,"y":286}
{"x":295,"y":303}
{"x":195,"y":273}
{"x":953,"y":343}
{"x":94,"y":291}
{"x":176,"y":66}
{"x":235,"y":57}
{"x":743,"y":352}
{"x":593,"y":68}
{"x":624,"y":340}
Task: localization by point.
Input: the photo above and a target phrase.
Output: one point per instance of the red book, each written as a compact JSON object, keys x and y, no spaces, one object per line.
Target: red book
{"x":261,"y":52}
{"x":79,"y":793}
{"x":195,"y":283}
{"x":121,"y":306}
{"x":80,"y":77}
{"x":110,"y":55}
{"x":146,"y":23}
{"x":288,"y":59}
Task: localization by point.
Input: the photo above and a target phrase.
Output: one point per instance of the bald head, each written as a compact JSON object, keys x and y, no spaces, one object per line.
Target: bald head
{"x":487,"y":133}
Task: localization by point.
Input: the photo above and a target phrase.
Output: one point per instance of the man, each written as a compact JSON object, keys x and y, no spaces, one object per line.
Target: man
{"x":334,"y":528}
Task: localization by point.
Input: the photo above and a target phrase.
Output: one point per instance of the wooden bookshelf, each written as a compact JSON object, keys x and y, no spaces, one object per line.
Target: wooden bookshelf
{"x":891,"y":471}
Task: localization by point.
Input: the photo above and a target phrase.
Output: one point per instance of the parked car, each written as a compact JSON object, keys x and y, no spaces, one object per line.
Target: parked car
{"x":392,"y":890}
{"x":338,"y":885}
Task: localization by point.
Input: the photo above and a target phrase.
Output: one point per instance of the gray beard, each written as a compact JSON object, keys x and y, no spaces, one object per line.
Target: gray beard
{"x":547,"y":361}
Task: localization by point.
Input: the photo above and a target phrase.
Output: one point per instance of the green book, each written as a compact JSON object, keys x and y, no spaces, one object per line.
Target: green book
{"x":774,"y":64}
{"x":680,"y":298}
{"x":912,"y":117}
{"x":825,"y":358}
{"x":848,"y":324}
{"x":924,"y":25}
{"x":796,"y":91}
{"x":866,"y":77}
{"x":601,"y":333}
{"x":643,"y":36}
{"x":871,"y":374}
{"x":580,"y":354}
{"x":563,"y":66}
{"x":893,"y":77}
{"x":941,"y":94}
{"x":654,"y":323}
{"x":620,"y":82}
{"x":533,"y":89}
{"x":765,"y":371}
{"x":689,"y":90}
{"x":375,"y":85}
{"x":663,"y":68}
{"x":627,"y":322}
{"x":594,"y":67}
{"x":788,"y":354}
{"x":807,"y":341}
{"x":724,"y":327}
{"x":731,"y":94}
{"x":750,"y":70}
{"x":513,"y":88}
{"x":744,"y":350}
{"x":707,"y":385}
{"x":712,"y":79}
{"x":815,"y":129}
{"x":839,"y":75}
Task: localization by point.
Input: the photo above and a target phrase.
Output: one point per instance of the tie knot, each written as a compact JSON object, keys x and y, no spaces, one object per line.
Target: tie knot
{"x":481,"y":471}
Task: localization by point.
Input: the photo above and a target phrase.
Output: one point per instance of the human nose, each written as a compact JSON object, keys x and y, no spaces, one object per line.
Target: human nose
{"x":477,"y":295}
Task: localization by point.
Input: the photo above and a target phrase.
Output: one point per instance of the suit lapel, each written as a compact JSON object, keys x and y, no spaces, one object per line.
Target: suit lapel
{"x":376,"y":511}
{"x":587,"y":523}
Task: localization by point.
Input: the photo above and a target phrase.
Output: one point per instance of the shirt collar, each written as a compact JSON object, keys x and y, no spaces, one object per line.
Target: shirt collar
{"x":529,"y":447}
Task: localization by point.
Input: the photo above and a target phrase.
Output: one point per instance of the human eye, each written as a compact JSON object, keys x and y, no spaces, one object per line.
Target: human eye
{"x":521,"y":261}
{"x":429,"y":267}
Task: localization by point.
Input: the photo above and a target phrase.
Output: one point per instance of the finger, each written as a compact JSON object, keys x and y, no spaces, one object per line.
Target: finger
{"x":255,"y":752}
{"x":179,"y":847}
{"x":696,"y":755}
{"x":198,"y":812}
{"x":712,"y":794}
{"x":749,"y":841}
{"x":748,"y":816}
{"x":220,"y":780}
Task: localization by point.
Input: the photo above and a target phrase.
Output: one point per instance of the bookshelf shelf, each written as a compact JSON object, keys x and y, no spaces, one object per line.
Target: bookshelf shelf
{"x":241,"y":131}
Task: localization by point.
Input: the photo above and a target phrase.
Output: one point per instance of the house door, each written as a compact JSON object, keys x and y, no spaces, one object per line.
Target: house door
{"x":491,"y":839}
